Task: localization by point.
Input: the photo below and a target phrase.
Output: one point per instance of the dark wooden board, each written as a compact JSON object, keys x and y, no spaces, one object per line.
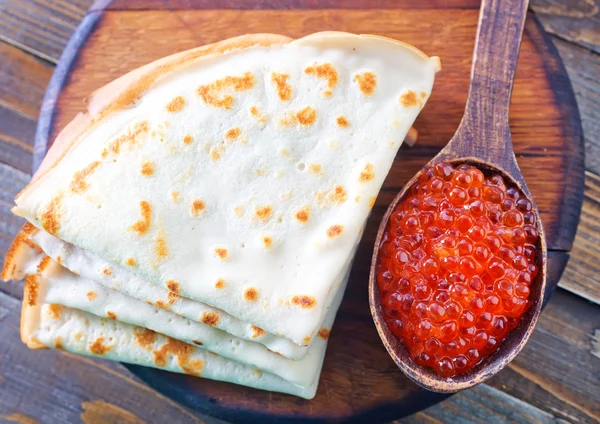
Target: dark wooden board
{"x":359,"y":379}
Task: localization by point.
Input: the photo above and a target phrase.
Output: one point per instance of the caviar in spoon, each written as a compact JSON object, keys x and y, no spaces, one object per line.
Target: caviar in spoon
{"x":456,"y":263}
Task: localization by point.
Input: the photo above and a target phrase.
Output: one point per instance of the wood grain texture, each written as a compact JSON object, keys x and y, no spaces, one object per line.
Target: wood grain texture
{"x":582,"y":275}
{"x":288,"y":4}
{"x":57,"y":387}
{"x":23,"y":81}
{"x":41,"y":27}
{"x":577,"y":21}
{"x":482,"y":404}
{"x":557,"y":370}
{"x":584,"y":72}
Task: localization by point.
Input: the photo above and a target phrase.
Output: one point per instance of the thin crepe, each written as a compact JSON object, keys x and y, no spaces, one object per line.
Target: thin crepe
{"x":62,"y":287}
{"x":92,"y":267}
{"x":48,"y":324}
{"x":237,"y":174}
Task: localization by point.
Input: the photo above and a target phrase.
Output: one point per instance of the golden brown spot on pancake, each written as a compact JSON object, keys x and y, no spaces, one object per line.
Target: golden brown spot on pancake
{"x":357,"y":199}
{"x":98,"y":347}
{"x":111,"y":315}
{"x":220,"y":283}
{"x":212,"y":93}
{"x":366,"y":82}
{"x":316,"y":169}
{"x":251,"y":294}
{"x":327,"y":72}
{"x":130,"y":262}
{"x":31,"y":289}
{"x":261,"y":117}
{"x":144,"y":336}
{"x":59,"y":260}
{"x":147,"y":169}
{"x":367,"y":174}
{"x":55,"y":311}
{"x":173,"y":286}
{"x":284,"y":152}
{"x":306,"y":339}
{"x":175,"y":196}
{"x":107,"y":272}
{"x":51,"y":215}
{"x":197,"y":342}
{"x":91,"y":295}
{"x":210,"y":318}
{"x":267,"y":241}
{"x":130,"y":138}
{"x":303,"y":214}
{"x":182,"y":351}
{"x":324,"y":333}
{"x":172,"y":297}
{"x":43,"y":264}
{"x":257,"y":331}
{"x":58,"y":344}
{"x":264,"y":213}
{"x":160,"y":247}
{"x":142,"y":226}
{"x":28,"y":228}
{"x":260,"y":172}
{"x":188,"y":139}
{"x":216,"y":151}
{"x":372,"y":201}
{"x":78,"y":184}
{"x":305,"y":302}
{"x":342,"y":122}
{"x":197,"y":207}
{"x":423,"y":94}
{"x":306,"y":116}
{"x":78,"y":336}
{"x":409,"y":99}
{"x":233,"y":133}
{"x":221,"y":253}
{"x":334,"y":231}
{"x":162,"y":305}
{"x":238,"y":210}
{"x":284,"y":90}
{"x":335,"y":195}
{"x":176,"y":104}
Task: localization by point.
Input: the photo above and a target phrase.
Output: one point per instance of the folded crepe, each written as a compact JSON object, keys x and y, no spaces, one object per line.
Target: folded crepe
{"x":63,"y":310}
{"x":65,"y":288}
{"x":94,"y":268}
{"x":237,"y":174}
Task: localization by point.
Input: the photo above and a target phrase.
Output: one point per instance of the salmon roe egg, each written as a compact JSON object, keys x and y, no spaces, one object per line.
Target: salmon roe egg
{"x":455,"y":267}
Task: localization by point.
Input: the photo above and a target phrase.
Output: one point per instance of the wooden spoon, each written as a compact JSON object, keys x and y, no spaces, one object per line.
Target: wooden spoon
{"x":483,"y":140}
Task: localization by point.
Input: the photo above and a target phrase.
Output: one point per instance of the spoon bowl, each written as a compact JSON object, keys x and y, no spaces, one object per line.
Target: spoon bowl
{"x":482,"y":140}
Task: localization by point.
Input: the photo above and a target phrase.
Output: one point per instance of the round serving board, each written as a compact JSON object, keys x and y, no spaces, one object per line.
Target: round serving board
{"x":359,"y":380}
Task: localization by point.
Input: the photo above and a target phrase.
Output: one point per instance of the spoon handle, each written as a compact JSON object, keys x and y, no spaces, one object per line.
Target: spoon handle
{"x":484,"y":131}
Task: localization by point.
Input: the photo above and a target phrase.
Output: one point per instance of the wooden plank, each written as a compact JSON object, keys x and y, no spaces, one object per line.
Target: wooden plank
{"x":288,"y":4}
{"x":557,"y":371}
{"x":584,"y":71}
{"x":582,"y":275}
{"x":41,"y":27}
{"x":482,"y":404}
{"x":11,"y":182}
{"x":59,"y":387}
{"x":23,"y":81}
{"x":574,"y":20}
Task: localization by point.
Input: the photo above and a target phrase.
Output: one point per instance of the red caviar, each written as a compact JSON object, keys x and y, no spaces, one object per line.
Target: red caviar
{"x":455,"y":267}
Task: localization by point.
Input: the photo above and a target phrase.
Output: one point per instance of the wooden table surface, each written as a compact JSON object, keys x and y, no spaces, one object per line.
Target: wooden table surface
{"x":555,"y":379}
